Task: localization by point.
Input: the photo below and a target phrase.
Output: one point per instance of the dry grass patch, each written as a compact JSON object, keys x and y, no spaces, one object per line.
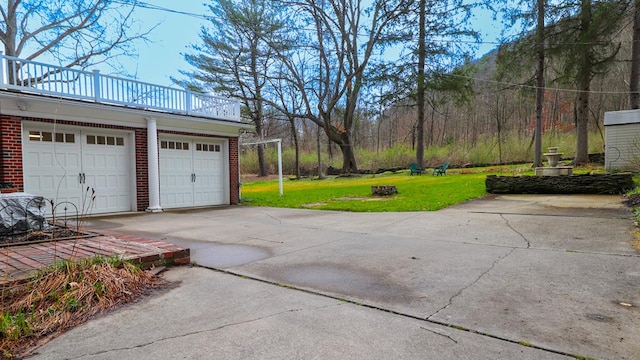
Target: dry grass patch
{"x":38,"y":309}
{"x":636,"y":239}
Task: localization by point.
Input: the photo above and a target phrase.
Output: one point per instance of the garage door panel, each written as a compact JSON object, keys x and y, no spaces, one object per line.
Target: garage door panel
{"x":110,"y":201}
{"x":104,"y":160}
{"x":177,"y":199}
{"x":52,"y":168}
{"x":191,"y":173}
{"x":208,"y":167}
{"x":71,"y":205}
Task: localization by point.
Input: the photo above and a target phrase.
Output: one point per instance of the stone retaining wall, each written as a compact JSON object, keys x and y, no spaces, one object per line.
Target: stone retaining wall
{"x":573,"y":184}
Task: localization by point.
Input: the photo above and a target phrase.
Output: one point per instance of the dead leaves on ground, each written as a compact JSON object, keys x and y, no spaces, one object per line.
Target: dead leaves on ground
{"x":65,"y":296}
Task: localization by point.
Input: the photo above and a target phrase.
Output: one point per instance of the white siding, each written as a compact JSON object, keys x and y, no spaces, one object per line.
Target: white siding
{"x":622,"y":147}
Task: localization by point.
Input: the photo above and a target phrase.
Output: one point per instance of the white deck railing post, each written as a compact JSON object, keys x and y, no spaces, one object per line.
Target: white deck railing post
{"x":2,"y":61}
{"x":236,"y":110}
{"x":187,"y":101}
{"x":96,"y":86}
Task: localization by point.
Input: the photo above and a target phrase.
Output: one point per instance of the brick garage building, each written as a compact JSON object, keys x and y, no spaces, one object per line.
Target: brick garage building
{"x":104,"y":153}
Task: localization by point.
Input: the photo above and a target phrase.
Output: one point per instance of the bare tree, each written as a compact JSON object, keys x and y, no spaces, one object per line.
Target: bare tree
{"x":286,"y":99}
{"x":74,"y":32}
{"x":346,"y":36}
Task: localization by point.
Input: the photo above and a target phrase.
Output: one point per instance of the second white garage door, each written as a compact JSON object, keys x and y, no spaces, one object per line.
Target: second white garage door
{"x":192,"y":173}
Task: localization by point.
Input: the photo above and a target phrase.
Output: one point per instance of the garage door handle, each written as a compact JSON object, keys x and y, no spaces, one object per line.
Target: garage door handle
{"x":81,"y":178}
{"x":193,"y":176}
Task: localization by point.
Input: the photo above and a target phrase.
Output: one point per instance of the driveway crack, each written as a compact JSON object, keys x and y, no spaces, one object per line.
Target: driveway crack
{"x":267,"y":214}
{"x":516,"y":231}
{"x":438,"y":333}
{"x":139,"y":346}
{"x":451,"y":299}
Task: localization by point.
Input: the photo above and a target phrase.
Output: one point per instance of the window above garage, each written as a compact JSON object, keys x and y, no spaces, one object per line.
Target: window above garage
{"x":47,"y":136}
{"x":208,"y":147}
{"x":174,"y":145}
{"x":105,"y":140}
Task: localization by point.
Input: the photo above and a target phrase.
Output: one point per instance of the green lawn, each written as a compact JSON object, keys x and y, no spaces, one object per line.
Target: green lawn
{"x":415,"y":193}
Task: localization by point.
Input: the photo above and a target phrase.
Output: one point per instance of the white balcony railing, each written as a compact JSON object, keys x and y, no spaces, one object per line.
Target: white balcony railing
{"x":35,"y":77}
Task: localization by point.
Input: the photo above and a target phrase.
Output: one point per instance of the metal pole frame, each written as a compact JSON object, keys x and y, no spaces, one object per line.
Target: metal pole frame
{"x":279,"y":145}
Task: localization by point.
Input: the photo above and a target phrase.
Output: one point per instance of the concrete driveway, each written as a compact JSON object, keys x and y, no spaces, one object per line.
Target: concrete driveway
{"x":505,"y":277}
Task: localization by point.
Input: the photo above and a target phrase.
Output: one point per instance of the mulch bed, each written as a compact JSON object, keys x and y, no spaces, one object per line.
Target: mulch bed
{"x":55,"y":234}
{"x":66,"y":296}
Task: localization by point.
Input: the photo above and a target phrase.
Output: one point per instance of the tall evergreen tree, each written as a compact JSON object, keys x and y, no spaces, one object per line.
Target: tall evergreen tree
{"x":540,"y":52}
{"x":581,"y":39}
{"x":634,"y":81}
{"x":236,"y":55}
{"x":433,"y":58}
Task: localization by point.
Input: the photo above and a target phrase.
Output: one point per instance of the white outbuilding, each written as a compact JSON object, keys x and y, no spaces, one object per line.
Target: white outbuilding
{"x":622,"y":140}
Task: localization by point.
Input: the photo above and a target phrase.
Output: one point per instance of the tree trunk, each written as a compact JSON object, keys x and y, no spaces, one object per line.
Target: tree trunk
{"x":583,"y":80}
{"x":319,"y":149}
{"x":499,"y":128}
{"x":294,"y":135}
{"x":582,"y":126}
{"x":348,"y":156}
{"x":262,"y":167}
{"x":432,"y":127}
{"x":537,"y":155}
{"x":11,"y":33}
{"x":634,"y":82}
{"x":422,"y":53}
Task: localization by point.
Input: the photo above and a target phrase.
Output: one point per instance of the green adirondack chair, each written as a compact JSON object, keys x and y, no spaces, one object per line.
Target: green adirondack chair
{"x":415,"y":169}
{"x":441,"y":170}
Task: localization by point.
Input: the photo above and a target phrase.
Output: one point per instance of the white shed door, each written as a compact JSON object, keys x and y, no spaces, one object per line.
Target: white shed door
{"x":68,"y":165}
{"x":191,"y":173}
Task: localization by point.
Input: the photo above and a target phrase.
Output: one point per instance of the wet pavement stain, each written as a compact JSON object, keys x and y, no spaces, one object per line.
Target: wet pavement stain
{"x":226,"y":256}
{"x":220,"y":256}
{"x":343,"y":280}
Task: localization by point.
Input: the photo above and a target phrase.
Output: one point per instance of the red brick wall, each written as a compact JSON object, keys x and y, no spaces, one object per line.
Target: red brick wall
{"x":11,"y":153}
{"x":142,"y":170}
{"x":234,"y":171}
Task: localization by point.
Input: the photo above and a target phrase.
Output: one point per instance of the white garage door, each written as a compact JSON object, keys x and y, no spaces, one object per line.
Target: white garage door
{"x":192,"y":173}
{"x":70,"y":164}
